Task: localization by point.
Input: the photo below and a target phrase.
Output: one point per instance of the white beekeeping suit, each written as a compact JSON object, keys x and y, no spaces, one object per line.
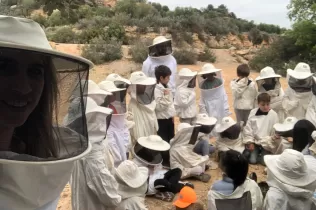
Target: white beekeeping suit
{"x":311,"y":109}
{"x":142,"y":105}
{"x":181,"y":151}
{"x":160,"y":53}
{"x":298,"y":94}
{"x":269,"y":82}
{"x":213,"y":101}
{"x":93,"y":185}
{"x":291,"y":180}
{"x":185,"y":97}
{"x":118,"y":141}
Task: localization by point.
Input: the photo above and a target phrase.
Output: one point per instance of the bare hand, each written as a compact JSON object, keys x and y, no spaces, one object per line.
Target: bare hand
{"x":290,"y":139}
{"x":166,"y":92}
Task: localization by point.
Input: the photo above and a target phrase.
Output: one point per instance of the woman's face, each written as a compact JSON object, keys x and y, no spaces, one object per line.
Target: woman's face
{"x":21,"y":85}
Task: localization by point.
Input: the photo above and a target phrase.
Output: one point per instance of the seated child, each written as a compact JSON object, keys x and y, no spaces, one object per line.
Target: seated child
{"x":292,"y":181}
{"x":163,"y":184}
{"x":244,"y":93}
{"x":187,"y":200}
{"x":185,"y":97}
{"x":229,"y":136}
{"x":302,"y":136}
{"x":260,"y":124}
{"x":182,"y":155}
{"x":213,"y":99}
{"x":235,"y":189}
{"x":283,"y":138}
{"x":165,"y":110}
{"x":203,"y":146}
{"x":132,"y":185}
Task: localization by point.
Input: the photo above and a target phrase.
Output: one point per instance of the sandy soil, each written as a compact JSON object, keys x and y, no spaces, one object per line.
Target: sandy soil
{"x":224,"y":61}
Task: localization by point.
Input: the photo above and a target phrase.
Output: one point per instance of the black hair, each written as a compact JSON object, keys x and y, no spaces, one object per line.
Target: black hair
{"x":162,"y":71}
{"x":243,"y":70}
{"x":302,"y":132}
{"x":235,"y":165}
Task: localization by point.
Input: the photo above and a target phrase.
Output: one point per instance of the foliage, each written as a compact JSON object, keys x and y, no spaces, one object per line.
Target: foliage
{"x":302,"y":10}
{"x":115,"y":31}
{"x":88,"y":35}
{"x":39,"y":18}
{"x":100,"y":51}
{"x":207,"y":56}
{"x":139,"y":52}
{"x":56,"y":19}
{"x":255,"y":36}
{"x":63,"y":35}
{"x":185,"y":56}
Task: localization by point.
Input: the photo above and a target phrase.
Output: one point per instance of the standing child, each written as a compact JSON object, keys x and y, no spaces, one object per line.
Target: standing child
{"x":213,"y":99}
{"x":260,"y":124}
{"x":165,"y":110}
{"x":244,"y":93}
{"x":311,"y":109}
{"x":185,"y":96}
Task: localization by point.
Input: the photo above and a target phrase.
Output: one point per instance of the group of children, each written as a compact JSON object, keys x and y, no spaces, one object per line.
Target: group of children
{"x":136,"y":151}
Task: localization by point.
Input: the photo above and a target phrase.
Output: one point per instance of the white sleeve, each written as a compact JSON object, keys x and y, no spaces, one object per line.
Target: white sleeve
{"x":287,"y":103}
{"x":184,"y":98}
{"x":211,"y":205}
{"x":173,"y":77}
{"x":146,"y":67}
{"x":202,"y":107}
{"x":248,"y":132}
{"x":162,"y":101}
{"x":226,"y":105}
{"x":311,"y":112}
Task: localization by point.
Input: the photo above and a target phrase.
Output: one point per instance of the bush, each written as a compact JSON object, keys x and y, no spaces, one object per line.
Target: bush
{"x":139,"y":52}
{"x":187,"y":37}
{"x":42,"y":20}
{"x":185,"y":56}
{"x":266,"y":37}
{"x":100,"y":51}
{"x":86,"y":36}
{"x":115,"y":31}
{"x":56,"y":19}
{"x":241,"y":37}
{"x":207,"y":56}
{"x":63,"y":35}
{"x":255,"y":36}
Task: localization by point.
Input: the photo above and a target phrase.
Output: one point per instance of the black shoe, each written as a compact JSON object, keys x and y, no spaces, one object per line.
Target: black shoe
{"x":253,"y":176}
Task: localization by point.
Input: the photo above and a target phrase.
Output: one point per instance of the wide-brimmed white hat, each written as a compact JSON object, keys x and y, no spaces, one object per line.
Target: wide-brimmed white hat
{"x":26,"y":34}
{"x":94,"y":89}
{"x":159,"y":40}
{"x":292,"y":167}
{"x":139,"y":78}
{"x":115,"y":77}
{"x":267,"y":72}
{"x":208,"y":69}
{"x":226,"y":123}
{"x":154,"y":142}
{"x":185,"y":72}
{"x":109,"y":86}
{"x":301,"y":71}
{"x":131,"y":174}
{"x":93,"y":107}
{"x":204,"y":119}
{"x":287,"y":125}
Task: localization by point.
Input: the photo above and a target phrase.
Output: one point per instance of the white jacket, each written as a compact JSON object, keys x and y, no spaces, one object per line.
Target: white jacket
{"x":248,"y":186}
{"x":276,"y":146}
{"x":185,"y":98}
{"x":118,"y":138}
{"x":282,"y":196}
{"x":277,"y":96}
{"x":182,"y":155}
{"x":295,"y":104}
{"x":214,"y":102}
{"x":311,"y":111}
{"x":151,"y":63}
{"x":225,"y":144}
{"x":145,"y":120}
{"x":244,"y":95}
{"x":164,"y":103}
{"x":260,"y":126}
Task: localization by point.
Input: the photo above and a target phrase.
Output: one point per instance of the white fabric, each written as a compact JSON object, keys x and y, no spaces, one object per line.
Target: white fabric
{"x":117,"y":138}
{"x":132,"y":203}
{"x":267,"y":72}
{"x":275,"y":146}
{"x":311,"y":111}
{"x":214,"y":102}
{"x":208,"y":68}
{"x":29,"y":186}
{"x":159,"y":40}
{"x":248,"y":186}
{"x":295,"y":104}
{"x":164,"y":103}
{"x":182,"y":155}
{"x":284,"y":196}
{"x":225,"y":144}
{"x":259,"y":126}
{"x":224,"y":124}
{"x":277,"y":96}
{"x":244,"y":95}
{"x":151,"y":63}
{"x":301,"y":71}
{"x":145,"y":119}
{"x":185,"y":98}
{"x":93,"y":185}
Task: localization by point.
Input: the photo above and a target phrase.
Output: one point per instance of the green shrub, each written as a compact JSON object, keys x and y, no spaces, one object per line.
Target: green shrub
{"x":115,"y":31}
{"x":100,"y":51}
{"x":207,"y":56}
{"x":187,"y":37}
{"x":142,"y":26}
{"x":241,"y":37}
{"x":266,"y":37}
{"x":56,"y":19}
{"x":202,"y":37}
{"x":139,"y":52}
{"x":63,"y":35}
{"x":185,"y":56}
{"x":87,"y":35}
{"x":255,"y":36}
{"x":42,"y":20}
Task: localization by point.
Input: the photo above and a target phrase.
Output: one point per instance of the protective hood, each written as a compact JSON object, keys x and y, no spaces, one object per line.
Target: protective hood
{"x":206,"y":84}
{"x":160,"y":47}
{"x":300,"y":85}
{"x":269,"y":84}
{"x":186,"y":134}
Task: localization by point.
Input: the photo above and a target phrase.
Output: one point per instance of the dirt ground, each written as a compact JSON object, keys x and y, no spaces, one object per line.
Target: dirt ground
{"x":224,"y":61}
